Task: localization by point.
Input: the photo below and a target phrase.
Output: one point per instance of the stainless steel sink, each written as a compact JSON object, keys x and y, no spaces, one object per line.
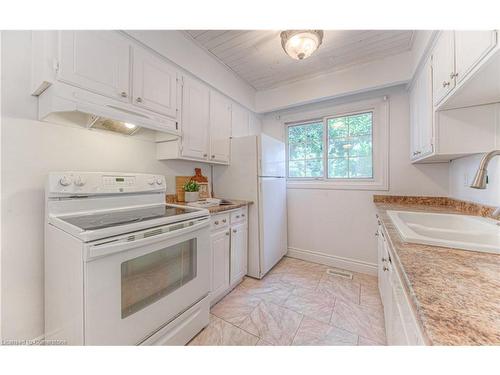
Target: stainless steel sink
{"x":448,"y":230}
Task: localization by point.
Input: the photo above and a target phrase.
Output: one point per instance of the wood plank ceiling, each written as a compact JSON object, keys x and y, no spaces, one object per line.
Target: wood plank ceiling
{"x":257,"y":57}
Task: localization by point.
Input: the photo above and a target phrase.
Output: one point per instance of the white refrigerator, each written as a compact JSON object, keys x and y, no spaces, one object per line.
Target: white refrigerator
{"x":257,"y":173}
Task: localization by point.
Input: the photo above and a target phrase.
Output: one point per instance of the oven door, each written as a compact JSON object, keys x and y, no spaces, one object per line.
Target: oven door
{"x":137,"y":283}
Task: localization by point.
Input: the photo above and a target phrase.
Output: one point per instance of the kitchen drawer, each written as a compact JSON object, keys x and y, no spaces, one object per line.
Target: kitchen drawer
{"x":239,"y":215}
{"x":183,"y":328}
{"x":219,"y":221}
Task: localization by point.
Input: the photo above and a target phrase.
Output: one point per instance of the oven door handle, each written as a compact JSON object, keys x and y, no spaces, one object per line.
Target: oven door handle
{"x":104,"y":249}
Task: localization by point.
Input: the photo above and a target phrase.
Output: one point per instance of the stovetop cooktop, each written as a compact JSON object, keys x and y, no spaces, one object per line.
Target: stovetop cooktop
{"x":95,"y":221}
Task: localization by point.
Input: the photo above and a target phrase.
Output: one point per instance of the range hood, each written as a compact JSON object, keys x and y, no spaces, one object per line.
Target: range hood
{"x":66,"y":105}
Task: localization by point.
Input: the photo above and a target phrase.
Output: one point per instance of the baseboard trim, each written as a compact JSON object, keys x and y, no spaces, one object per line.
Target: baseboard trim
{"x":333,"y":260}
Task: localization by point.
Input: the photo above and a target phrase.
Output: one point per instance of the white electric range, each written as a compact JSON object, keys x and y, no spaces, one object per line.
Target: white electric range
{"x":121,"y":266}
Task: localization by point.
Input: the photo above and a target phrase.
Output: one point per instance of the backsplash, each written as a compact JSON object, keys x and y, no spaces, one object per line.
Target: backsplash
{"x":462,"y":172}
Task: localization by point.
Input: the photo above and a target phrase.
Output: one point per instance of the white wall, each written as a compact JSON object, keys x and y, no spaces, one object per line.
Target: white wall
{"x":30,"y":149}
{"x":463,"y":170}
{"x":339,"y":224}
{"x":377,"y":74}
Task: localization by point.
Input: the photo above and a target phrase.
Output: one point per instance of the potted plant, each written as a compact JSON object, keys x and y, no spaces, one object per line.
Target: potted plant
{"x":191,"y":191}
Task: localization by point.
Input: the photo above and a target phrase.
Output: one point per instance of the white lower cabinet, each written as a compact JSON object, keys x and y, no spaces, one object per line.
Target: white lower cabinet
{"x":229,"y":247}
{"x":220,"y":263}
{"x":239,"y":248}
{"x":384,"y":269}
{"x":400,"y":321}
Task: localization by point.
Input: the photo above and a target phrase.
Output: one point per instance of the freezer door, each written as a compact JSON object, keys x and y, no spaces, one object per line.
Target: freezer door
{"x":271,"y":157}
{"x":273,"y":222}
{"x":238,"y":180}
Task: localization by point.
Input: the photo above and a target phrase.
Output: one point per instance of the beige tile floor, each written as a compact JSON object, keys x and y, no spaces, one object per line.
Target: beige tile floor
{"x":298,"y":303}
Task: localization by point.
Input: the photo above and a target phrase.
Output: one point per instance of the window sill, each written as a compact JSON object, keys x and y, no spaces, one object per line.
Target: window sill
{"x":338,"y":185}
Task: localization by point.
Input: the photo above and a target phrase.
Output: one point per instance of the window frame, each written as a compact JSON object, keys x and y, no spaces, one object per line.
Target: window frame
{"x":380,"y":143}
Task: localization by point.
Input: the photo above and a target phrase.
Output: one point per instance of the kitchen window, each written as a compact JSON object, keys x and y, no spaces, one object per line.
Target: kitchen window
{"x":345,"y":148}
{"x":305,"y":150}
{"x":350,"y":145}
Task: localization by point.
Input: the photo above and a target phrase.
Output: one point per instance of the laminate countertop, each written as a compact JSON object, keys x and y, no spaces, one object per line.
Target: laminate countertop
{"x":455,"y":293}
{"x":217,"y":209}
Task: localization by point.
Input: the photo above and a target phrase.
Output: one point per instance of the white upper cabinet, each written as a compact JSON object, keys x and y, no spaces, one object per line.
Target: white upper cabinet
{"x":154,"y":83}
{"x":240,"y":121}
{"x":443,"y":65}
{"x":195,"y":119}
{"x":245,"y":122}
{"x":470,"y":48}
{"x":220,"y":127}
{"x":464,"y":65}
{"x":254,"y":125}
{"x":421,"y":113}
{"x":97,"y":61}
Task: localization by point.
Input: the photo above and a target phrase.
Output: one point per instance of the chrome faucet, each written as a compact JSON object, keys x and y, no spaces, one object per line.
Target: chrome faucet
{"x":481,"y":177}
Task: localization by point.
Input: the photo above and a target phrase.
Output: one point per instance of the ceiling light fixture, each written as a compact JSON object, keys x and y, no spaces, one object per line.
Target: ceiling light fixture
{"x":300,"y":44}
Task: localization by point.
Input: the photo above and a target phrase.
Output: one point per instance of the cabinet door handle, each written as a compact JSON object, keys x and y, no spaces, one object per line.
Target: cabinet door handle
{"x":223,"y":220}
{"x":213,"y":156}
{"x":446,"y":84}
{"x":384,"y":259}
{"x":242,"y":215}
{"x":205,"y":155}
{"x":415,"y":153}
{"x":227,"y":233}
{"x":385,"y":268}
{"x":123,"y":94}
{"x":138,"y":100}
{"x":234,"y":230}
{"x":216,"y":222}
{"x":453,"y":75}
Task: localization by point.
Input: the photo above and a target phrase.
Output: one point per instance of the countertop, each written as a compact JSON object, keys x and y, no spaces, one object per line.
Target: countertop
{"x":455,"y":293}
{"x":217,"y":209}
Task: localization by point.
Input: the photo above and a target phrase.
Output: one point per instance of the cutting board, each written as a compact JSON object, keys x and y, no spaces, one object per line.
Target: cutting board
{"x":180,"y":181}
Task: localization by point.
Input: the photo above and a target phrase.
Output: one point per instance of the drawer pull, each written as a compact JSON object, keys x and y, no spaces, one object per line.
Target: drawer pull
{"x":384,"y":259}
{"x":234,"y":230}
{"x":224,"y":220}
{"x":385,"y":268}
{"x":237,"y":216}
{"x":242,"y":215}
{"x":216,"y":222}
{"x":227,"y":233}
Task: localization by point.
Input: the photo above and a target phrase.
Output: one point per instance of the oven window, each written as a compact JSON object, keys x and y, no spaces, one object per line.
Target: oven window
{"x":150,"y":277}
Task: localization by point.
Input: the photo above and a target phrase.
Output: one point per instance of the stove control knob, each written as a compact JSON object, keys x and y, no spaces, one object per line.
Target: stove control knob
{"x":151,"y":181}
{"x":159,"y":181}
{"x":80,"y":181}
{"x":65,"y":181}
